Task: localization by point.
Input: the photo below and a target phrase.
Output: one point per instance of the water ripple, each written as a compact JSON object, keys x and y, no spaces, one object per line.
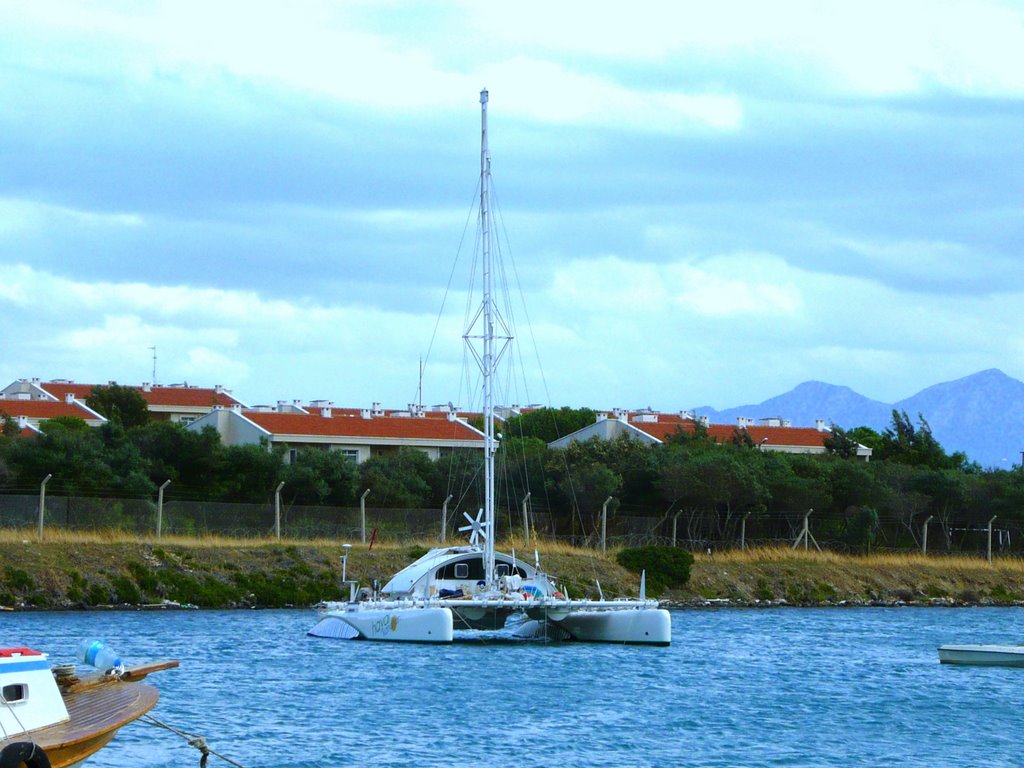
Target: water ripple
{"x":784,"y":687}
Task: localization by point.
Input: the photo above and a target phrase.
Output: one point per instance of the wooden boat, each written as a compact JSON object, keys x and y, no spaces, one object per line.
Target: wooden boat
{"x":54,"y":718}
{"x":983,"y":655}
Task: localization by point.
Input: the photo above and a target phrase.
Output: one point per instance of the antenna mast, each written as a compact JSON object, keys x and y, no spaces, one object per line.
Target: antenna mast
{"x":154,"y":365}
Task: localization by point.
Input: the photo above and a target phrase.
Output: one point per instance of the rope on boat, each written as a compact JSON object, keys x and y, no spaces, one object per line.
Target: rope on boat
{"x":194,"y":740}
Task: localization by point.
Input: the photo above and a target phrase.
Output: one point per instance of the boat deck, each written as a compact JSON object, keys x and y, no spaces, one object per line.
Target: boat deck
{"x":97,"y":708}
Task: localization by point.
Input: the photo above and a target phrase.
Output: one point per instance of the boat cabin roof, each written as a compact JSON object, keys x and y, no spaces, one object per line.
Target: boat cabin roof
{"x":405,"y":579}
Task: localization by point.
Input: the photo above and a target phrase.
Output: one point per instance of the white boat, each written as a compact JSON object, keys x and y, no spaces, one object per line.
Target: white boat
{"x":51,"y":718}
{"x":983,"y":655}
{"x":474,"y":587}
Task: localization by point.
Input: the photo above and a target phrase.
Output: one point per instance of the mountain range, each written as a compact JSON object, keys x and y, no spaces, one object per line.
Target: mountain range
{"x":981,"y":414}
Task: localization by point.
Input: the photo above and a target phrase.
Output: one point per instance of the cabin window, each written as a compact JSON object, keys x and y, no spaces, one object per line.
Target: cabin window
{"x":472,"y":569}
{"x":15,"y":693}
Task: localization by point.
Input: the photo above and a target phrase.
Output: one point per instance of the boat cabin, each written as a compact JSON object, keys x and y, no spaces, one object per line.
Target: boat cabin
{"x":31,"y":698}
{"x":459,"y":571}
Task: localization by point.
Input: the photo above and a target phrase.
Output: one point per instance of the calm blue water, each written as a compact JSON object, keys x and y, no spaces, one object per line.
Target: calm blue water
{"x":781,"y":687}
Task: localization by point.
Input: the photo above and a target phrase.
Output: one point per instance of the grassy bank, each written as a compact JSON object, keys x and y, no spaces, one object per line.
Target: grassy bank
{"x":784,"y":575}
{"x":89,"y":571}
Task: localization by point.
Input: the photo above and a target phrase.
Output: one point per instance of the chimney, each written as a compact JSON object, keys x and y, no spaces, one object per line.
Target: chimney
{"x":325,"y":412}
{"x":236,"y":408}
{"x":819,"y":424}
{"x":705,"y":421}
{"x":602,"y":417}
{"x":376,"y":410}
{"x":219,"y":389}
{"x":22,"y":422}
{"x":147,"y":387}
{"x":621,"y":414}
{"x":365,"y":413}
{"x":69,"y":398}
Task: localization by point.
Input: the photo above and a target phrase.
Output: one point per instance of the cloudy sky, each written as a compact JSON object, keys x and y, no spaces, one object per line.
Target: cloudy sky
{"x":706,"y":203}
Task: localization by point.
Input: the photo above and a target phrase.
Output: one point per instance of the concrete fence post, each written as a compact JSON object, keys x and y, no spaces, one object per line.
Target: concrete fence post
{"x":362,"y":515}
{"x":42,"y":503}
{"x":160,"y":508}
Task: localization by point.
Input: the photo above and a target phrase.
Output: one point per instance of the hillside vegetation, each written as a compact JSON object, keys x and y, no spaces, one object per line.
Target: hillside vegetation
{"x":79,"y":572}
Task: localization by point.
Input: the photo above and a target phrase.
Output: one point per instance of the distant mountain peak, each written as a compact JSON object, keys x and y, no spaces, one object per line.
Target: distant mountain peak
{"x":981,"y":414}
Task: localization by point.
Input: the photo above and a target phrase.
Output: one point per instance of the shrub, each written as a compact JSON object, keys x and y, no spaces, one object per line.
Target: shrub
{"x":416,"y":552}
{"x":18,"y":580}
{"x":125,"y":590}
{"x":763,"y":591}
{"x":667,"y":567}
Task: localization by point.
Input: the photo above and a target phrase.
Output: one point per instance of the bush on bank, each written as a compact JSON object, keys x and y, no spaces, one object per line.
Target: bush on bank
{"x":666,"y":567}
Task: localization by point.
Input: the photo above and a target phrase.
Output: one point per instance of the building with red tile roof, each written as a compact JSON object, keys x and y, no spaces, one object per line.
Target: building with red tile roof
{"x":651,"y":427}
{"x":359,"y":436}
{"x":31,"y":413}
{"x":178,"y":402}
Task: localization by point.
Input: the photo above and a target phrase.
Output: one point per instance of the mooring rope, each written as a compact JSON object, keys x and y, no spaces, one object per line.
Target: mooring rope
{"x":194,"y":740}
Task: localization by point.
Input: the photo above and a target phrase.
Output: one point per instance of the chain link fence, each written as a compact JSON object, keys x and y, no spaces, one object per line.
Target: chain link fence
{"x":696,"y":532}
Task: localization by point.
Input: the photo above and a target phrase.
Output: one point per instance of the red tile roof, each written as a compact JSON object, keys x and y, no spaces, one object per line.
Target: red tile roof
{"x":37,"y":410}
{"x":803,"y":436}
{"x":185,"y":397}
{"x":807,"y":437}
{"x":397,"y":427}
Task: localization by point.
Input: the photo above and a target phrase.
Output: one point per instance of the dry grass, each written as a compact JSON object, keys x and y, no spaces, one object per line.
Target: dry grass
{"x":788,"y":555}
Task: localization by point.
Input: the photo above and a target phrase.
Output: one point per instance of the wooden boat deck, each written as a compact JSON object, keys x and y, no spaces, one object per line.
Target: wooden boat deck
{"x":97,"y":708}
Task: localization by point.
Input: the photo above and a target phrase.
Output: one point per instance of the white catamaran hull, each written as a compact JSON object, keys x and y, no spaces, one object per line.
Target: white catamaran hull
{"x":394,"y":625}
{"x":582,"y":620}
{"x":650,"y":626}
{"x":983,"y":655}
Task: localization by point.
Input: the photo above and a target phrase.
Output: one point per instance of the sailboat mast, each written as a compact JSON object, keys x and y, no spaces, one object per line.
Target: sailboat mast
{"x":490,"y":446}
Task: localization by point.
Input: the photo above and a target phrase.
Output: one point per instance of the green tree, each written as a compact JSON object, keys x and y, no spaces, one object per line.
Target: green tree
{"x":629,"y":459}
{"x":861,"y":527}
{"x":903,"y":443}
{"x":321,"y":477}
{"x":866,"y":436}
{"x":840,"y":443}
{"x":402,"y":479}
{"x":250,"y":473}
{"x":10,"y":426}
{"x":589,"y":484}
{"x":519,"y":469}
{"x":120,"y":404}
{"x":548,"y":424}
{"x":68,"y":449}
{"x":191,"y":460}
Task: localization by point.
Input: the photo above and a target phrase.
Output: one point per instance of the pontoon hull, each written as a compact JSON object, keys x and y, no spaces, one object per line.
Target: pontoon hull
{"x":393,"y":625}
{"x":642,"y":626}
{"x":983,"y":655}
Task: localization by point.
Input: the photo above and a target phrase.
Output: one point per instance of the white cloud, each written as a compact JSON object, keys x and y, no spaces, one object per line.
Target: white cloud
{"x":723,"y":287}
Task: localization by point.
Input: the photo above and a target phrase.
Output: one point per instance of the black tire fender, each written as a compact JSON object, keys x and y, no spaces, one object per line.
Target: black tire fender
{"x":27,"y":752}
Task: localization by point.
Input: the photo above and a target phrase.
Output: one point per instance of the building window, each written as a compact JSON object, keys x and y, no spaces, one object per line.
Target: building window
{"x":293,"y":455}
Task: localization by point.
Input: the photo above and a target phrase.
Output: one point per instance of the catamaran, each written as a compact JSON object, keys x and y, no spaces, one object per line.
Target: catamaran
{"x":474,"y":587}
